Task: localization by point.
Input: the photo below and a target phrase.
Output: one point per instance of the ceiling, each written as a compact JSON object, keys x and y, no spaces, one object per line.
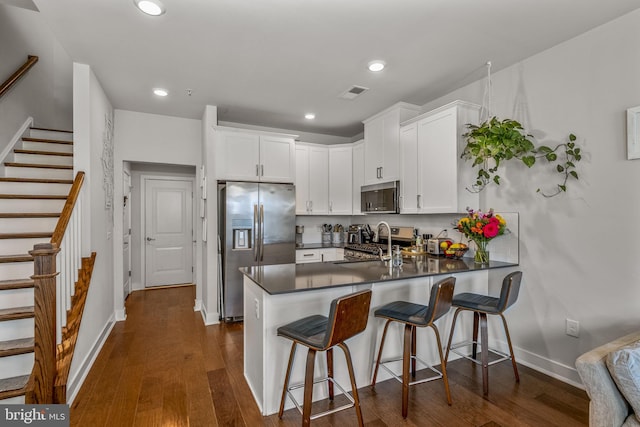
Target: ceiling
{"x":268,"y":62}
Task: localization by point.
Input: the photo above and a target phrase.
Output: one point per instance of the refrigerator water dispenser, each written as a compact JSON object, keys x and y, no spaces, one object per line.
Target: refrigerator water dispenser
{"x":242,"y":238}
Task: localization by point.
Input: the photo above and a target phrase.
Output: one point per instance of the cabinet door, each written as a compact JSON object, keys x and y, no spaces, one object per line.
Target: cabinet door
{"x":358,"y":176}
{"x":373,"y":151}
{"x":277,"y":159}
{"x":340,"y":176}
{"x":319,"y":180}
{"x":237,"y":155}
{"x":302,"y":180}
{"x":409,"y":168}
{"x":437,"y":152}
{"x":391,"y":147}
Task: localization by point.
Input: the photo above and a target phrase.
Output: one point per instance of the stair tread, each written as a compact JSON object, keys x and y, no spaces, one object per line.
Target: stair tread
{"x":51,"y":141}
{"x":37,"y":180}
{"x":34,"y":196}
{"x":18,"y":346}
{"x":15,"y":284}
{"x":14,"y":386}
{"x":29,"y":235}
{"x":14,"y":313}
{"x":51,"y":130}
{"x":16,"y":258}
{"x":42,"y":153}
{"x":36,"y":165}
{"x":29,"y":214}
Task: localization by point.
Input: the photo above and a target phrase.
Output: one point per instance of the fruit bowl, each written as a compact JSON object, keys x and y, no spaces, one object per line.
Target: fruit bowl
{"x":455,"y":253}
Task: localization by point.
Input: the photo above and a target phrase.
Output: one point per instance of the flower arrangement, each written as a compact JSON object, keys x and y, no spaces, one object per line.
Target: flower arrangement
{"x":481,"y":227}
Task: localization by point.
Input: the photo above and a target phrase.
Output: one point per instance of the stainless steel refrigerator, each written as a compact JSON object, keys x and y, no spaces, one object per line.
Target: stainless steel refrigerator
{"x":256,"y":226}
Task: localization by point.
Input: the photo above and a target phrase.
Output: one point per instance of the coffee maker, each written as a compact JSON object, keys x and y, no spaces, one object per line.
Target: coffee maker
{"x":354,"y":234}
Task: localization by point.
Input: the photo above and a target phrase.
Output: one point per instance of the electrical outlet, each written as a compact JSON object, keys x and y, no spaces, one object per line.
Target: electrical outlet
{"x":257,"y":304}
{"x":572,"y":328}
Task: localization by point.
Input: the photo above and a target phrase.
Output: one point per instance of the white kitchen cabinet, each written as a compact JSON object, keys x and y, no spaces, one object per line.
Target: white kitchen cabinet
{"x":358,"y":175}
{"x":306,"y":256}
{"x":244,"y":155}
{"x":434,"y":177}
{"x":312,"y":179}
{"x":382,"y":143}
{"x":340,"y":178}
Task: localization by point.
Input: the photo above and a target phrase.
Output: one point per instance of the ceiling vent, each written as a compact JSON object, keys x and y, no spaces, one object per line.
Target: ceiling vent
{"x":353,"y":92}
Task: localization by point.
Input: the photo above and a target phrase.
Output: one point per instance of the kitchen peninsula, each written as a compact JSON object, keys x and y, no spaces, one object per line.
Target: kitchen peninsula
{"x":278,"y":294}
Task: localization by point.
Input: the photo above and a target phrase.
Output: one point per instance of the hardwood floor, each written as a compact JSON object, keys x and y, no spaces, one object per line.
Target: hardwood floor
{"x":163,"y":367}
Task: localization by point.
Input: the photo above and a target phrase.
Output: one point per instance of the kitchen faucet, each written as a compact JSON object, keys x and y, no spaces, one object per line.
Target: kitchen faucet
{"x":388,"y":256}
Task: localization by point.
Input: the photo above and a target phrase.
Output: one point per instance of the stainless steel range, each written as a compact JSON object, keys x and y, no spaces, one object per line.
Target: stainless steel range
{"x":362,"y":251}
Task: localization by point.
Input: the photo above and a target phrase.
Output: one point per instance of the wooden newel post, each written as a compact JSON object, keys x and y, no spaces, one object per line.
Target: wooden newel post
{"x":44,"y":295}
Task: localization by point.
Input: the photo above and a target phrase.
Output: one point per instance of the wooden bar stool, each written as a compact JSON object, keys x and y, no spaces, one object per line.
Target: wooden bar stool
{"x":348,"y":316}
{"x":481,"y":306}
{"x":416,"y":315}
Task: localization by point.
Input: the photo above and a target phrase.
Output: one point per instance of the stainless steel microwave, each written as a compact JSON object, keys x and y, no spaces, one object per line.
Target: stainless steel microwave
{"x":380,"y":198}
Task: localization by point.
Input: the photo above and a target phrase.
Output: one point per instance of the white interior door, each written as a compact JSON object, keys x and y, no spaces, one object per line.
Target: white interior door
{"x":126,"y":234}
{"x":168,"y":232}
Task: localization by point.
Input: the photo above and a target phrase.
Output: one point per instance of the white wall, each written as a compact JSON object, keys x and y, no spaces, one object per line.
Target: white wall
{"x":91,"y":107}
{"x":153,"y":139}
{"x":579,"y":250}
{"x":45,"y":92}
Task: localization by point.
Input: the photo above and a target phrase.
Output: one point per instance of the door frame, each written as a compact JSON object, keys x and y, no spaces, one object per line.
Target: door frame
{"x":126,"y":210}
{"x":143,"y":247}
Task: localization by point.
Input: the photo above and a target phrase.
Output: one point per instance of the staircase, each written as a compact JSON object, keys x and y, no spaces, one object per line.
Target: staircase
{"x":37,"y":178}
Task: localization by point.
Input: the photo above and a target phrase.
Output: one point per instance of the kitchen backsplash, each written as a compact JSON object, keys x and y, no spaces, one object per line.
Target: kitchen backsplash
{"x":504,"y":248}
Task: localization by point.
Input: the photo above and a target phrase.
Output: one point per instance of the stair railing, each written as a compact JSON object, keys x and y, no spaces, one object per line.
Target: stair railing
{"x":8,"y":84}
{"x":59,"y":274}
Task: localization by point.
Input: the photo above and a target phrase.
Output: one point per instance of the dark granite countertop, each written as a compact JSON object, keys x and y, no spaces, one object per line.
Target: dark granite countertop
{"x":287,"y":278}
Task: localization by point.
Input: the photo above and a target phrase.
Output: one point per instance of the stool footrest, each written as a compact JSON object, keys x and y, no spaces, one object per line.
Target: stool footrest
{"x":330,"y":411}
{"x":503,"y":356}
{"x":417,"y":359}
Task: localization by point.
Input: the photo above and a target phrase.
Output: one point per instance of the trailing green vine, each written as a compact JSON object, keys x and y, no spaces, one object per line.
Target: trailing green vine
{"x":494,"y":141}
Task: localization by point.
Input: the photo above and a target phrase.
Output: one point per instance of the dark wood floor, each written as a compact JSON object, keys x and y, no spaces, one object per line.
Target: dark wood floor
{"x":163,"y":367}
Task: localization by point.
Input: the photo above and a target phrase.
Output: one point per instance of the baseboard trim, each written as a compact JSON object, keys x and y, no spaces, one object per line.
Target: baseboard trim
{"x":210,"y":318}
{"x":75,"y":383}
{"x":120,"y":315}
{"x":549,"y":367}
{"x":197,"y":305}
{"x":17,"y":137}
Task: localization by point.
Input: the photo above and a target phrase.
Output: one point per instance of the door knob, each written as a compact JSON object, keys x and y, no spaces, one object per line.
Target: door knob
{"x":149,"y":239}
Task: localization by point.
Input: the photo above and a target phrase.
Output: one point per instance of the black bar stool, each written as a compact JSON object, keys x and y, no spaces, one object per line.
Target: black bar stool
{"x":416,"y":315}
{"x":481,"y":305}
{"x":347,"y":317}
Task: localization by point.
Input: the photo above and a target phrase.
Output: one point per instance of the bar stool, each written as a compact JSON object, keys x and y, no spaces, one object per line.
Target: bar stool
{"x":416,"y":315}
{"x":481,"y":306}
{"x":348,"y":316}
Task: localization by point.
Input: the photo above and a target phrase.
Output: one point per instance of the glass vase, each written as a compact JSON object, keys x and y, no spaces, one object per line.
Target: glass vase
{"x":482,"y":254}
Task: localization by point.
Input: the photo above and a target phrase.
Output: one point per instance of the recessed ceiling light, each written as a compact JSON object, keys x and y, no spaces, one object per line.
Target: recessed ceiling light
{"x":161,"y":92}
{"x":309,"y":116}
{"x":376,"y":66}
{"x":150,"y":7}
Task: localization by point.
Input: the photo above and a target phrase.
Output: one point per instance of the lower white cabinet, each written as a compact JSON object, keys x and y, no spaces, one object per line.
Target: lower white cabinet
{"x":304,"y":256}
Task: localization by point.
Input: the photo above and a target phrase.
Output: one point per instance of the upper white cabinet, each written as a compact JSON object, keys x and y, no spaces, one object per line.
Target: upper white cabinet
{"x":382,"y":142}
{"x":244,"y":155}
{"x":312,"y":179}
{"x":358,"y":175}
{"x":340,"y":178}
{"x":434,"y":177}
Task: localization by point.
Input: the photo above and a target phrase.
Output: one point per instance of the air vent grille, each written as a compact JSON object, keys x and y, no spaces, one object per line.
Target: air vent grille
{"x":353,"y":92}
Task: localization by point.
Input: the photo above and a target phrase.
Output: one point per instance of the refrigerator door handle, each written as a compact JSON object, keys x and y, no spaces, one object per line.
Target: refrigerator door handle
{"x":256,"y":237}
{"x":261,"y":232}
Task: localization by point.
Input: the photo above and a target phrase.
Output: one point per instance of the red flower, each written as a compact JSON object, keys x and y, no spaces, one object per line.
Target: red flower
{"x":491,"y":230}
{"x":494,"y":220}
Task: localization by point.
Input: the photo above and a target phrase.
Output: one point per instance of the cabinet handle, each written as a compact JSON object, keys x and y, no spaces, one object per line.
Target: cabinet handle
{"x":322,"y":257}
{"x":418,"y":202}
{"x":378,"y":172}
{"x":257,"y":170}
{"x":330,"y":206}
{"x":311,"y":205}
{"x":261,"y":170}
{"x":401,"y":202}
{"x":381,"y":172}
{"x":308,"y":254}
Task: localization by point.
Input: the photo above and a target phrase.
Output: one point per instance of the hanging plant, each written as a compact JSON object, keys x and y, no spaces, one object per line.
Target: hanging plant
{"x":493,"y":142}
